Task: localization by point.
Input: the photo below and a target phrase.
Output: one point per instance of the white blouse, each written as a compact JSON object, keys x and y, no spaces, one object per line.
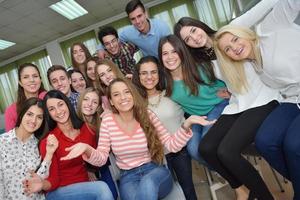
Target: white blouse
{"x":16,"y":160}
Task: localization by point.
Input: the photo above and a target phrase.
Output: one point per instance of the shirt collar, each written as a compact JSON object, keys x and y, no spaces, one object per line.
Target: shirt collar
{"x":14,"y":137}
{"x":150,"y":32}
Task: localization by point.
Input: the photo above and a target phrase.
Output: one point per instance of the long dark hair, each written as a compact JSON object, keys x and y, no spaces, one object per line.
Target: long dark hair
{"x":75,"y":120}
{"x":136,"y":75}
{"x":190,"y":71}
{"x":199,"y":54}
{"x":21,"y":98}
{"x":24,"y":108}
{"x":87,"y":56}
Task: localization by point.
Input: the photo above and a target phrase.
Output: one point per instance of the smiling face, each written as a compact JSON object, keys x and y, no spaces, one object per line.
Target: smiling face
{"x":78,"y":54}
{"x":106,"y":74}
{"x":90,"y":70}
{"x":148,"y":75}
{"x":194,"y":37}
{"x":235,"y":47}
{"x":32,"y":119}
{"x":111,"y":44}
{"x":60,"y":81}
{"x":121,"y":97}
{"x":58,"y":110}
{"x":90,"y":103}
{"x":170,"y":57}
{"x":138,"y":18}
{"x":30,"y":80}
{"x":78,"y":82}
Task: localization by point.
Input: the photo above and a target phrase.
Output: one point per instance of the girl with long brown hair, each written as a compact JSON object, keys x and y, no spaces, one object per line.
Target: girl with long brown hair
{"x":136,"y":137}
{"x":29,"y":85}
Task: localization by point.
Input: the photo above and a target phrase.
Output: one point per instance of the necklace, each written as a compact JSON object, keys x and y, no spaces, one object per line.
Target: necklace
{"x":210,"y":52}
{"x":155,"y":104}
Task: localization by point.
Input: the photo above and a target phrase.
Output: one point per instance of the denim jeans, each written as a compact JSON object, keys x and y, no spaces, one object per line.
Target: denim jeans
{"x":278,"y":141}
{"x":105,"y":176}
{"x":97,"y":190}
{"x":181,"y":164}
{"x":199,"y":131}
{"x":148,"y":182}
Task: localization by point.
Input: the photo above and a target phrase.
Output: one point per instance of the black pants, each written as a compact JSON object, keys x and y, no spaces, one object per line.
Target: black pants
{"x":221,"y":148}
{"x":180,"y":163}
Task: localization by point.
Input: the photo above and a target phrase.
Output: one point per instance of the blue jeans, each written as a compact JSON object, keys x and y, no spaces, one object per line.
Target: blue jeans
{"x":148,"y":182}
{"x":97,"y":190}
{"x":107,"y":178}
{"x":199,"y":131}
{"x":278,"y":141}
{"x":181,"y":164}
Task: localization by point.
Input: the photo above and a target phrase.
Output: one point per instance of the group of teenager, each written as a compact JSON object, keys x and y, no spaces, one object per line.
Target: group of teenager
{"x":196,"y":94}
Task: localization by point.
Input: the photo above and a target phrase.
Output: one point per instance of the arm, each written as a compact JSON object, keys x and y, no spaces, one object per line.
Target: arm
{"x":96,"y":157}
{"x":51,"y":146}
{"x":10,"y":117}
{"x":255,"y":14}
{"x":52,"y":182}
{"x":1,"y":181}
{"x":175,"y":142}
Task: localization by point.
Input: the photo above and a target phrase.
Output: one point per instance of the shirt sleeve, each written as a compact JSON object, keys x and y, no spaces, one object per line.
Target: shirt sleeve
{"x":43,"y":170}
{"x":10,"y":117}
{"x":172,"y":142}
{"x":1,"y":181}
{"x":255,"y":14}
{"x":53,"y":177}
{"x":99,"y":156}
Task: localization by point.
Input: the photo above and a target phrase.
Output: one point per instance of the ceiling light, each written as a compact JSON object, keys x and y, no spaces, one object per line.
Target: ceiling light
{"x":69,"y":9}
{"x":5,"y":44}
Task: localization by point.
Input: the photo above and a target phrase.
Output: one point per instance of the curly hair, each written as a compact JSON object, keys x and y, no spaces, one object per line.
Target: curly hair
{"x":141,"y":115}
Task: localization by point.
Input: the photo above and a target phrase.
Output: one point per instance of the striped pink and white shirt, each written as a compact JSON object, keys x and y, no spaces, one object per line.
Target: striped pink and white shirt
{"x":130,"y":149}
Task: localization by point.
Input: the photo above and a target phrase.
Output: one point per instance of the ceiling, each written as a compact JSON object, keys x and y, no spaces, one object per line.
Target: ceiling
{"x":31,"y":23}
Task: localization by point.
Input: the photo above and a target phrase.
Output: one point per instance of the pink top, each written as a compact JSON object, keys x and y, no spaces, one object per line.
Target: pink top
{"x":11,"y":116}
{"x":130,"y":149}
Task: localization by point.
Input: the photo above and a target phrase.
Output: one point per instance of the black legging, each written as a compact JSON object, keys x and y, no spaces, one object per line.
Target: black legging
{"x":221,"y":148}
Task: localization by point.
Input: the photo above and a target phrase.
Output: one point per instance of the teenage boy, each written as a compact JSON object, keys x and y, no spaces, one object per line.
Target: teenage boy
{"x":59,"y":80}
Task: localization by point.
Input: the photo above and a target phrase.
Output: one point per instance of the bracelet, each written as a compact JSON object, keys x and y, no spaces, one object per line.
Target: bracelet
{"x":183,"y":127}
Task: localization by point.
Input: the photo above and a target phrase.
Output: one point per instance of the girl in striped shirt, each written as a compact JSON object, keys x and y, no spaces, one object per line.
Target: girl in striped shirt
{"x":136,"y":137}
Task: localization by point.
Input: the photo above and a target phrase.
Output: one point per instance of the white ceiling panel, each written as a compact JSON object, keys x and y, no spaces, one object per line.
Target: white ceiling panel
{"x":31,"y":23}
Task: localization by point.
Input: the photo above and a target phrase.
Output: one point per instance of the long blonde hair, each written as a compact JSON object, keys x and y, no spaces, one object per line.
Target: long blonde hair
{"x":99,"y":85}
{"x":233,"y":71}
{"x":96,"y":120}
{"x":141,"y":115}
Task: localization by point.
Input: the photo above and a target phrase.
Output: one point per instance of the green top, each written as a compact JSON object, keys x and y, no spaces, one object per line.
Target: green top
{"x":201,"y":104}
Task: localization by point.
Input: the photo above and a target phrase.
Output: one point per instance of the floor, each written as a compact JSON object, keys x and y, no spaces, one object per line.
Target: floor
{"x":226,"y":193}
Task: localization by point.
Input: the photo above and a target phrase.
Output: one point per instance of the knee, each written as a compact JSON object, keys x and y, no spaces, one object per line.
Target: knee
{"x":207,"y":150}
{"x":291,"y":147}
{"x":263,"y":141}
{"x":102,"y":191}
{"x":225,"y":155}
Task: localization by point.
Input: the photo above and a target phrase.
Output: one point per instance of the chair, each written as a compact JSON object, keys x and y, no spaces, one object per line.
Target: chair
{"x":252,"y":151}
{"x":175,"y":194}
{"x":213,"y":185}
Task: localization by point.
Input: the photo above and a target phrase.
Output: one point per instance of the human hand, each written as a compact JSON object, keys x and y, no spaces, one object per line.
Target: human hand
{"x":52,"y":144}
{"x":92,"y":176}
{"x":194,"y":119}
{"x":75,"y":151}
{"x":224,"y":93}
{"x":129,"y":76}
{"x":102,"y":54}
{"x":33,"y":184}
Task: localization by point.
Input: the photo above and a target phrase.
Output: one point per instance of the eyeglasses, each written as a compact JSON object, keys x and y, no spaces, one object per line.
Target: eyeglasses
{"x":112,"y":42}
{"x":146,"y":73}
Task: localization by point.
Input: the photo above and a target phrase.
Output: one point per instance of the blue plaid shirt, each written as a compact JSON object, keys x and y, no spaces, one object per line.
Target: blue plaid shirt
{"x":74,"y":99}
